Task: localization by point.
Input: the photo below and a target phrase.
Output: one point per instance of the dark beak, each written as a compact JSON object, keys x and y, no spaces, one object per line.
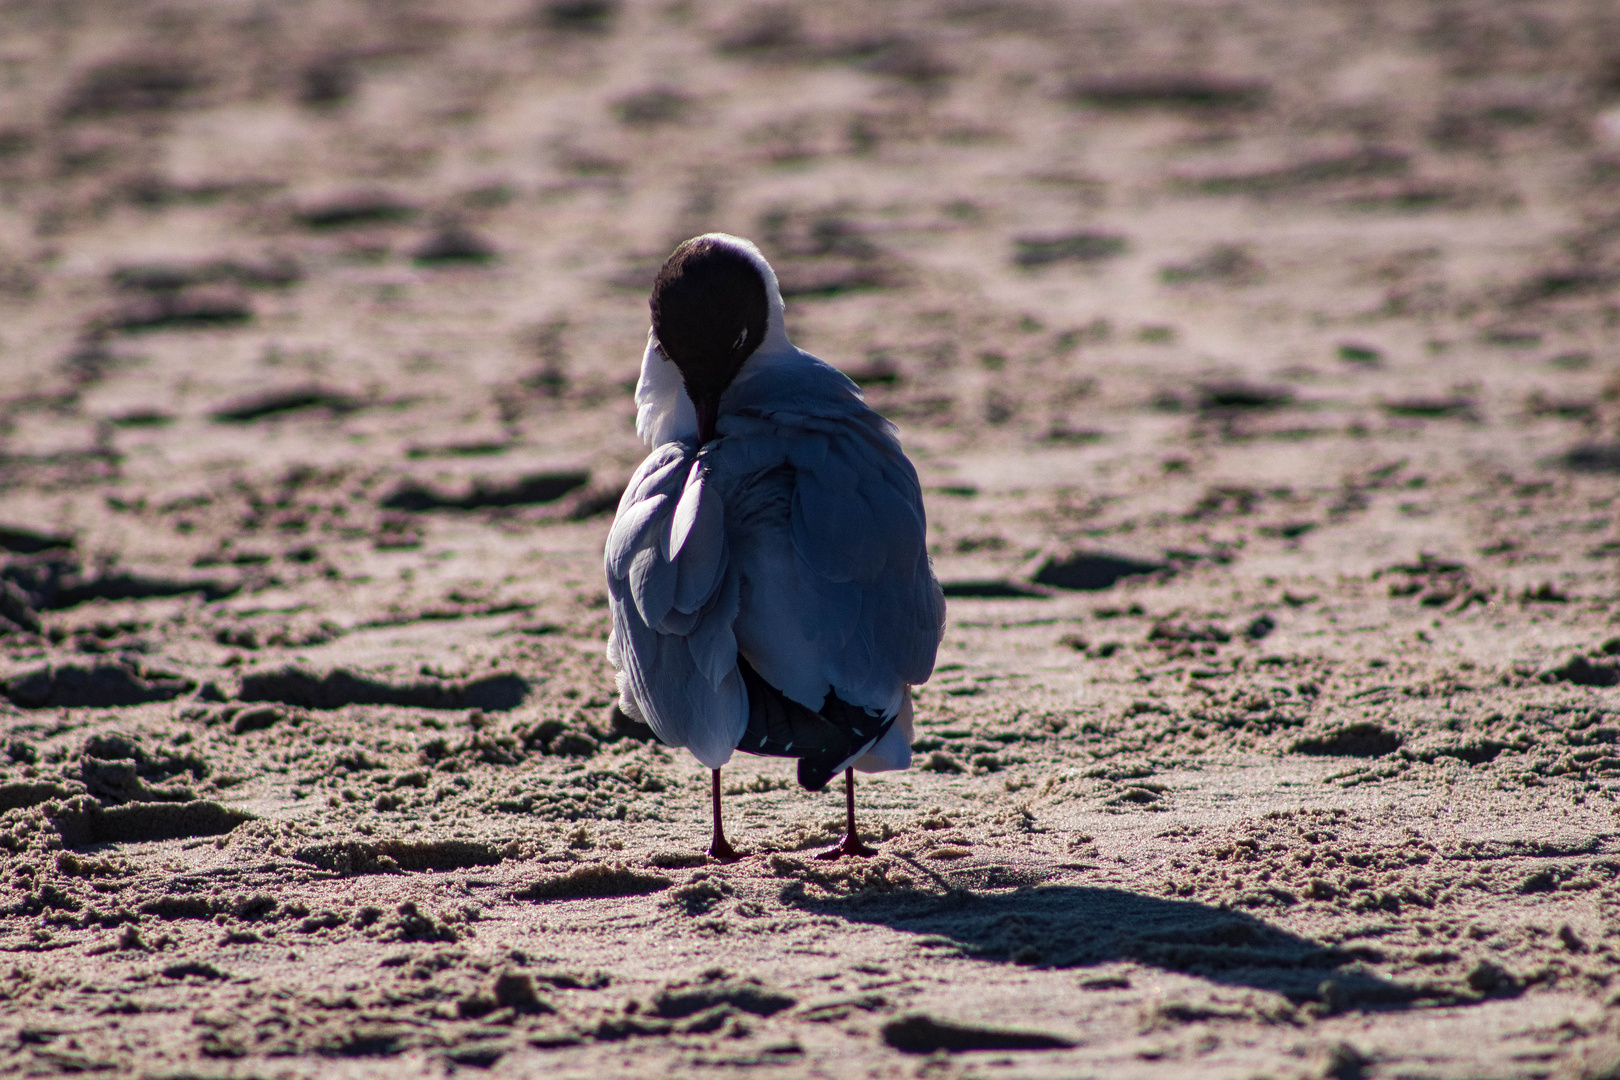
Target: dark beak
{"x":708,"y":414}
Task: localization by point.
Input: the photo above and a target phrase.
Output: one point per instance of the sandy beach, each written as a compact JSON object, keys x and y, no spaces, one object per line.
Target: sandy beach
{"x":1261,"y":365}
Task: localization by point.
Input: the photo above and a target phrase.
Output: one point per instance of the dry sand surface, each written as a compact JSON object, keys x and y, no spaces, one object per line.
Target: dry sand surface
{"x":1260,"y":364}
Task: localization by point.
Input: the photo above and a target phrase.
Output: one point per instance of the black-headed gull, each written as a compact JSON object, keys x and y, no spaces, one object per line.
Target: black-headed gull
{"x":770,"y":585}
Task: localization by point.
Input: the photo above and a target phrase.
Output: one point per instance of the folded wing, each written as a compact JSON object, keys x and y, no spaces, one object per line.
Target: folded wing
{"x":673,"y":596}
{"x":837,"y":590}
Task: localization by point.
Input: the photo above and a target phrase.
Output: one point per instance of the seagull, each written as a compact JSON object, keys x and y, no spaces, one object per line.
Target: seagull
{"x":768,"y":576}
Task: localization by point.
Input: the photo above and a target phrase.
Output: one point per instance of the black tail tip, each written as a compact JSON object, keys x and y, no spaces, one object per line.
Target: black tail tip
{"x":816,"y":770}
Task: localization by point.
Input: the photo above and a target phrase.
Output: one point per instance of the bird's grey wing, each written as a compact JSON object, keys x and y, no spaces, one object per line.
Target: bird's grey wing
{"x":844,"y":596}
{"x":673,"y":596}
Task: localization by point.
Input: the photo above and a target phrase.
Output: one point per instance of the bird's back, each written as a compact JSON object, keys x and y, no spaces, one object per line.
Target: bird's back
{"x":795,"y":539}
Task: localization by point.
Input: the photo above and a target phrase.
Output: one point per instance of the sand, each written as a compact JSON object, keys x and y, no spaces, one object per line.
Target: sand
{"x":1259,"y":362}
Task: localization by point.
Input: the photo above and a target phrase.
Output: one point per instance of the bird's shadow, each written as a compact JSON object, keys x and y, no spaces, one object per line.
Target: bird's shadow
{"x":1069,"y":926}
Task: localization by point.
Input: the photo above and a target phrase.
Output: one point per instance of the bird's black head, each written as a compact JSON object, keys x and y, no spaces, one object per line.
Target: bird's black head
{"x":710,"y":308}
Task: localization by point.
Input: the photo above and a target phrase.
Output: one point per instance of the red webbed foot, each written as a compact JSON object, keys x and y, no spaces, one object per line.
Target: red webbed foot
{"x":851,"y":846}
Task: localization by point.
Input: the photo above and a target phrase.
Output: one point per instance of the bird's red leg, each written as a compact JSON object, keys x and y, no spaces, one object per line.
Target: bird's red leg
{"x":718,"y":847}
{"x":852,"y":840}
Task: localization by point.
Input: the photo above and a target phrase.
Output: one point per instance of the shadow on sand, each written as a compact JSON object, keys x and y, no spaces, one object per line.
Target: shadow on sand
{"x":1065,"y":926}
